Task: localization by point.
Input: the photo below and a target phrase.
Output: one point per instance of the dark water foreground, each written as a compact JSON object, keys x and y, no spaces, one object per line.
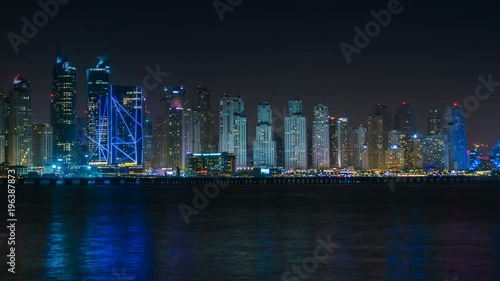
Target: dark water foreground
{"x":124,"y":233}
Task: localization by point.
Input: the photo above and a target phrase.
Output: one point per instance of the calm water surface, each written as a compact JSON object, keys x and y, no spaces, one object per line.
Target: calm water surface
{"x":123,"y":233}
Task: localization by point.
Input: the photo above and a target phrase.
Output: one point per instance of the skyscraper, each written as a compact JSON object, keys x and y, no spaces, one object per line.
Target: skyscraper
{"x":433,"y":122}
{"x":378,"y":126}
{"x":358,"y":154}
{"x":405,"y":122}
{"x":375,"y":142}
{"x":126,"y":126}
{"x":320,"y":138}
{"x":149,"y":143}
{"x":435,"y":152}
{"x":394,"y":155}
{"x":4,"y":115}
{"x":264,"y":147}
{"x":204,"y":123}
{"x":295,"y":137}
{"x":339,"y":142}
{"x":233,"y":128}
{"x":42,"y":145}
{"x":63,"y":111}
{"x":97,"y":112}
{"x":405,"y":119}
{"x":19,"y":137}
{"x":454,"y":128}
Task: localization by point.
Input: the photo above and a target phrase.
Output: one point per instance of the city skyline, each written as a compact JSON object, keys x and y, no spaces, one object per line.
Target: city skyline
{"x":278,"y":54}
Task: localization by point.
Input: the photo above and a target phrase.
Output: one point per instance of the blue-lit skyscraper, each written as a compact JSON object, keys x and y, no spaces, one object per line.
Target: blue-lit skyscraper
{"x":126,"y":125}
{"x":295,"y":137}
{"x":97,"y":112}
{"x":63,"y":111}
{"x":454,"y":128}
{"x":264,"y":147}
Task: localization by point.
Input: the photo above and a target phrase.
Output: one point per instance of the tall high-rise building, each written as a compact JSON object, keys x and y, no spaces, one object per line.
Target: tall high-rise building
{"x":320,"y":138}
{"x":375,"y":142}
{"x":126,"y":126}
{"x":149,"y":143}
{"x":4,"y":115}
{"x":339,"y":142}
{"x":358,"y":153}
{"x":378,"y":126}
{"x":19,"y":137}
{"x":63,"y":111}
{"x":405,"y":122}
{"x":295,"y":137}
{"x":170,"y":124}
{"x":42,"y":145}
{"x":97,"y":113}
{"x":435,"y":152}
{"x":264,"y":147}
{"x":394,"y":155}
{"x":405,"y":119}
{"x":417,"y":151}
{"x":233,"y":128}
{"x":454,"y":128}
{"x":204,"y":135}
{"x":433,"y":122}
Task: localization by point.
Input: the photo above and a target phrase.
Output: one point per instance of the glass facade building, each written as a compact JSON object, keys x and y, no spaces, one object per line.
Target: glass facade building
{"x":63,"y":112}
{"x":19,"y":124}
{"x":126,"y":125}
{"x":97,"y":113}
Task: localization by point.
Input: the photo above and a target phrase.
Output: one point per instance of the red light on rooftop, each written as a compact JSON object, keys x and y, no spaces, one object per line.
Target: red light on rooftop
{"x":455,"y":104}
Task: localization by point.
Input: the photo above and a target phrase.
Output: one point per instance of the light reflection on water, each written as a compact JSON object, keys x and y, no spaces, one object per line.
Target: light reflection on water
{"x":133,"y":233}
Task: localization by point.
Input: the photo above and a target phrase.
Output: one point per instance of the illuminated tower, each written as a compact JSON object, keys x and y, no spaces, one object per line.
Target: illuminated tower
{"x":4,"y":115}
{"x":126,"y":126}
{"x":233,"y":128}
{"x":358,"y":148}
{"x":378,"y":126}
{"x":339,"y":142}
{"x":295,"y":137}
{"x":19,"y":137}
{"x":97,"y":112}
{"x":63,"y":111}
{"x":204,"y":123}
{"x":174,"y":128}
{"x":433,"y":122}
{"x":320,"y":138}
{"x":454,"y":128}
{"x":42,"y":145}
{"x":264,"y":147}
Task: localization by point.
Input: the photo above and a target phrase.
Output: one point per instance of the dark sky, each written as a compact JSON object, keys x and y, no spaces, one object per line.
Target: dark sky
{"x":430,"y":55}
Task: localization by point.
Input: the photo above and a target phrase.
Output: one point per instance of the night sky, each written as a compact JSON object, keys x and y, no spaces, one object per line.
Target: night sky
{"x":430,"y":55}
